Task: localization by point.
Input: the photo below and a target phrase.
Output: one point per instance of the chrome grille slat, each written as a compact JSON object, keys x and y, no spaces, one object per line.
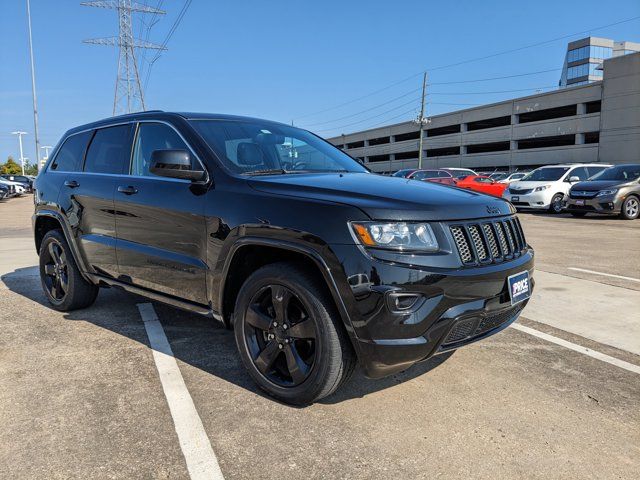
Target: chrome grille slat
{"x":489,"y":240}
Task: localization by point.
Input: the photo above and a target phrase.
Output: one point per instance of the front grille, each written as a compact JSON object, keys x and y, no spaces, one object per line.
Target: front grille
{"x":581,"y":194}
{"x":524,"y":191}
{"x":488,"y":241}
{"x":470,"y":328}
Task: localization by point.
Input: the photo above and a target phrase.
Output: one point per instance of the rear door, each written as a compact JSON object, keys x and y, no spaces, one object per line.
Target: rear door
{"x":89,"y":197}
{"x":160,"y":222}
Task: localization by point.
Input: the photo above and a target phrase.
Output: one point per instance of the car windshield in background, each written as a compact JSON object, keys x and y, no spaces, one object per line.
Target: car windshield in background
{"x":623,"y":173}
{"x":253,"y":147}
{"x":546,"y":174}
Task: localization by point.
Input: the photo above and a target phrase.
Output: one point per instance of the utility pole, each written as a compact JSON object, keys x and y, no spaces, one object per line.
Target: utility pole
{"x":33,"y":91}
{"x":128,"y":95}
{"x":421,"y":120}
{"x":20,"y":134}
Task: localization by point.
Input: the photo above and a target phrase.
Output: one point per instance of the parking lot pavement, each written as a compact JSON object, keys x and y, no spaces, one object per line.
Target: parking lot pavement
{"x":82,"y":396}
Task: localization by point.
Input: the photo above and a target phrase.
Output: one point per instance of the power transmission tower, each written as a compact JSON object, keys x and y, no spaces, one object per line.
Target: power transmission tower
{"x":422,"y":121}
{"x":128,"y":96}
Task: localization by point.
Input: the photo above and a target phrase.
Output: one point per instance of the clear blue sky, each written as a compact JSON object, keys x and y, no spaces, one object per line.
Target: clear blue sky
{"x":283,"y":59}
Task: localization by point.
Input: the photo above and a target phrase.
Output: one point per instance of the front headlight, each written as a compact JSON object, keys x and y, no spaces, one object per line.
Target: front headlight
{"x":604,"y":193}
{"x":395,"y":235}
{"x":539,"y":189}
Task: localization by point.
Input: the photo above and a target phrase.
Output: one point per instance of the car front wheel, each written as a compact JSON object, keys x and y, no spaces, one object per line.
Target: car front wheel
{"x":630,"y":208}
{"x":62,"y":282}
{"x":289,"y":335}
{"x":556,"y":203}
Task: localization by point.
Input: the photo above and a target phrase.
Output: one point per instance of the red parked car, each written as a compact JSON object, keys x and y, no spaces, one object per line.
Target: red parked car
{"x":482,"y":184}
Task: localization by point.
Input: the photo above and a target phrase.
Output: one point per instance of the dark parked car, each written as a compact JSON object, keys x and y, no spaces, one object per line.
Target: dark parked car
{"x":613,"y":191}
{"x":4,"y":192}
{"x":315,"y":262}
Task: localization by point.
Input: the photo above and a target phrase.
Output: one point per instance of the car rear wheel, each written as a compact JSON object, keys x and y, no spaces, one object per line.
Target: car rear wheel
{"x":556,"y":203}
{"x":62,"y":282}
{"x":289,"y":335}
{"x":630,"y":208}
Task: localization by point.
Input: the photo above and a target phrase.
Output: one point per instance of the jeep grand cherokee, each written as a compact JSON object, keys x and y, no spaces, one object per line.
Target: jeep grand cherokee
{"x":315,"y":262}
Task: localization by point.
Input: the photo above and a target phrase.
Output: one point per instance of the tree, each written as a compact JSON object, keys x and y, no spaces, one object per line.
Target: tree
{"x":11,"y":167}
{"x":30,"y":169}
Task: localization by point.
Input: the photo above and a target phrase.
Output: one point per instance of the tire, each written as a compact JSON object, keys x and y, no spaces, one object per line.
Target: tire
{"x":62,"y":282}
{"x":556,"y":203}
{"x":630,"y":208}
{"x":307,"y":359}
{"x":578,"y":214}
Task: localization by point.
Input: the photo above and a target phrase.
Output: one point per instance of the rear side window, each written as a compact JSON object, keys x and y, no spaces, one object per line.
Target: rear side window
{"x":579,"y":172}
{"x":109,"y":151}
{"x":70,"y":155}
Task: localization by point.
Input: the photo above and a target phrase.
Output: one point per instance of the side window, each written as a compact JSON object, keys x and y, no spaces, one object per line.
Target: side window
{"x":69,"y":157}
{"x":153,"y":136}
{"x":109,"y":150}
{"x":593,"y":170}
{"x":443,"y":174}
{"x":579,"y":172}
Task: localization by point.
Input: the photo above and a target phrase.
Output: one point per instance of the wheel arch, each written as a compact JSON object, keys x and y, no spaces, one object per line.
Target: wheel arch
{"x":47,"y":220}
{"x":248,"y":254}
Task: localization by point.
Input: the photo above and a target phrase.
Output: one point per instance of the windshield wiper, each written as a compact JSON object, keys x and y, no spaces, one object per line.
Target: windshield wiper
{"x":267,"y":171}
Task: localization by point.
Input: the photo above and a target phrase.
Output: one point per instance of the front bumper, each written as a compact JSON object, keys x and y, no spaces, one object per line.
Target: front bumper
{"x":454,"y":308}
{"x":534,"y":200}
{"x":608,"y":205}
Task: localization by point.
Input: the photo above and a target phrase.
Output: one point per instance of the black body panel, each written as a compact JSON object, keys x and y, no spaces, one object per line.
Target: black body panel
{"x":178,"y":241}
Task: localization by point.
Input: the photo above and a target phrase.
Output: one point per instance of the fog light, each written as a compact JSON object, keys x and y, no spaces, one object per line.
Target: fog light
{"x":402,"y":302}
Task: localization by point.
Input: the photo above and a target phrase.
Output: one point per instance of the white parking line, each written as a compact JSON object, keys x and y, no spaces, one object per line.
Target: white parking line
{"x":196,"y":447}
{"x":578,"y":348}
{"x":631,"y":279}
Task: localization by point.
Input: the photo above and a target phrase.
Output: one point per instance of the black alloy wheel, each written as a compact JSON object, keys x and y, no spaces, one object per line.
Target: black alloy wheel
{"x":56,"y":276}
{"x":280,"y":335}
{"x":290,"y":336}
{"x":63,"y":283}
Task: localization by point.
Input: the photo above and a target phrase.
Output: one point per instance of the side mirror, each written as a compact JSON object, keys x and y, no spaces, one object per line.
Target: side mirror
{"x":574,"y":179}
{"x":174,"y":164}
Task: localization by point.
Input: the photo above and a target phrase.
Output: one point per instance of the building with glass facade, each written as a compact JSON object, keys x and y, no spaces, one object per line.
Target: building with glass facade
{"x":584,"y":57}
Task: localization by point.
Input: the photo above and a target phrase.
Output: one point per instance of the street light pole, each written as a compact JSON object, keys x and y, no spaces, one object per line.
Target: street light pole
{"x":421,"y":120}
{"x":20,"y":134}
{"x":33,"y":91}
{"x":46,"y":149}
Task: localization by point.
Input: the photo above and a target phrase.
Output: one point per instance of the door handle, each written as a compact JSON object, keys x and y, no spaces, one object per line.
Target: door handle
{"x":71,"y":184}
{"x":128,"y":190}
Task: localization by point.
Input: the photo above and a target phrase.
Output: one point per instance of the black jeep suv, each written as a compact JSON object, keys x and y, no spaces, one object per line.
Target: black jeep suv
{"x":313,"y":260}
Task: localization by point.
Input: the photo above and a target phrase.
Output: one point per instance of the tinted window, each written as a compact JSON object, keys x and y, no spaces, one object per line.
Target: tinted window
{"x":625,"y":173}
{"x":579,"y":172}
{"x":69,"y":157}
{"x":443,"y":174}
{"x":546,"y":174}
{"x":154,"y":136}
{"x":594,"y":170}
{"x":109,"y":150}
{"x":252,"y":145}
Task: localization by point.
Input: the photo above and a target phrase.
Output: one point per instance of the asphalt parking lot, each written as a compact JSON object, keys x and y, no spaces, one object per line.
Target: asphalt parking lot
{"x":556,"y":395}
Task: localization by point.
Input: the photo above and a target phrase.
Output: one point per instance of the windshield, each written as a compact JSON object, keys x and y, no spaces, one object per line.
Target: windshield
{"x":254,"y":147}
{"x":546,"y":174}
{"x":623,"y":173}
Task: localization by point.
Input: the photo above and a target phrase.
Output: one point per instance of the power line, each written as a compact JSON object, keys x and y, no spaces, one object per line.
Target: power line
{"x":430,"y":84}
{"x":172,"y":30}
{"x":476,"y":59}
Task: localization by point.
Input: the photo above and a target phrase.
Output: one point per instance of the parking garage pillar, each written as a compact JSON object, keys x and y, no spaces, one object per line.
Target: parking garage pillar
{"x":579,"y":138}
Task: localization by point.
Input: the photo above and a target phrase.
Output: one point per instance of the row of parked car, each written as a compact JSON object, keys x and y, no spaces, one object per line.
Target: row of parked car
{"x":15,"y":185}
{"x":576,"y":188}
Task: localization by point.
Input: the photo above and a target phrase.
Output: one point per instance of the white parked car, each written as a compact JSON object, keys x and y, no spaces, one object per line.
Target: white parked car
{"x":547,"y":187}
{"x":513,"y":177}
{"x":15,"y":188}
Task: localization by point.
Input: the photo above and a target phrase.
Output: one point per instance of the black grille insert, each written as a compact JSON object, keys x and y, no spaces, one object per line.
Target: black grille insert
{"x":470,"y":328}
{"x":489,"y":241}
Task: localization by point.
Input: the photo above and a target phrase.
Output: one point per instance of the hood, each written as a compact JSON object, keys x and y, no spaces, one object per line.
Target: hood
{"x":597,"y":185}
{"x":386,"y":198}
